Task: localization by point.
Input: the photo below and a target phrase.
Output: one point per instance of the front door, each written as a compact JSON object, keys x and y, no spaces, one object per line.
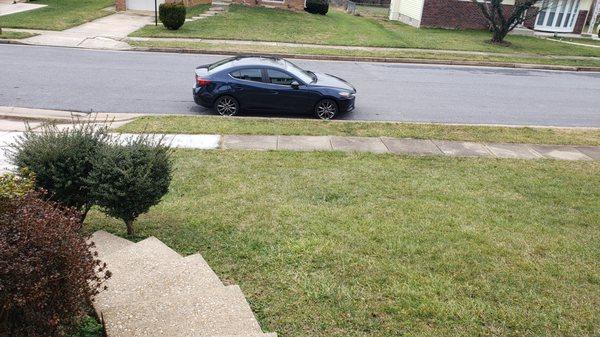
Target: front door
{"x":557,"y":16}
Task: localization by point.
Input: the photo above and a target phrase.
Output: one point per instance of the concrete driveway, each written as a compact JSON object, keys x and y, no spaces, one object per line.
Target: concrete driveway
{"x":8,"y":7}
{"x":103,"y":33}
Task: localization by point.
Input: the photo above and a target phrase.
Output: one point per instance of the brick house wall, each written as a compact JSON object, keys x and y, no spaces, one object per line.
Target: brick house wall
{"x":465,"y":15}
{"x":285,"y":4}
{"x":460,"y":14}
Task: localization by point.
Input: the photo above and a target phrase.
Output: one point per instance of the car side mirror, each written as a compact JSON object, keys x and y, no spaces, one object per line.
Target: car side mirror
{"x":295,"y":85}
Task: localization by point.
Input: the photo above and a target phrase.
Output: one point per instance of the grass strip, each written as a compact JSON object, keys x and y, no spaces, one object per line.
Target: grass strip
{"x":264,"y":126}
{"x":15,"y":35}
{"x":398,"y":54}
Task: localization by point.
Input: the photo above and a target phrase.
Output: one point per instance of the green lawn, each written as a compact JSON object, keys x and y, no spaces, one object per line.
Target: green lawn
{"x":58,"y":15}
{"x":339,"y":28}
{"x":334,"y":244}
{"x":15,"y":35}
{"x":263,"y":126}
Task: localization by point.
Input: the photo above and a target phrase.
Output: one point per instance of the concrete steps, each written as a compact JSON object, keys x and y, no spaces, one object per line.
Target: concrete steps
{"x":106,"y":242}
{"x":217,"y":7}
{"x":154,"y":291}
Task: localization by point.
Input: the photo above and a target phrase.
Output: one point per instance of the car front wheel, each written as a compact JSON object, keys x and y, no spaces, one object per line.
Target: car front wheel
{"x":227,"y":106}
{"x":326,"y":109}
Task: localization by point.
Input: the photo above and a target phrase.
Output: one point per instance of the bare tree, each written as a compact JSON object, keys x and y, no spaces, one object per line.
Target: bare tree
{"x":502,"y":22}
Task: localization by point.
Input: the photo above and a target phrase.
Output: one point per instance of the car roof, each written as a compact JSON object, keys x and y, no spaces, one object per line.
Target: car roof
{"x":242,"y":60}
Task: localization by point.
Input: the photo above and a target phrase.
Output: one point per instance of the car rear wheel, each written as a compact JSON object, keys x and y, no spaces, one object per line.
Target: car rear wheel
{"x":326,"y":109}
{"x":227,"y":106}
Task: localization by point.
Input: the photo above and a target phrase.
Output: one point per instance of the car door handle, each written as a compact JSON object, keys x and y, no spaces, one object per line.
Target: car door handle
{"x":275,"y":92}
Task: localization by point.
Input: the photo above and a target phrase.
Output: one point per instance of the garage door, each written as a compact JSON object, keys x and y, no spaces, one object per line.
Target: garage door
{"x":142,"y":5}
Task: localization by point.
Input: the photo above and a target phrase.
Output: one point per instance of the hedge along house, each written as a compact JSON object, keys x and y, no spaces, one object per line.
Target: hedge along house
{"x":562,"y":16}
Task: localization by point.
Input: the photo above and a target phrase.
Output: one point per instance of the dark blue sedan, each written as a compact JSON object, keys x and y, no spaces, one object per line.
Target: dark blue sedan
{"x":268,"y":84}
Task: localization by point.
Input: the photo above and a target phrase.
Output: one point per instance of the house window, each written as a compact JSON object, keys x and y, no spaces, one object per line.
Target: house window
{"x":557,"y":15}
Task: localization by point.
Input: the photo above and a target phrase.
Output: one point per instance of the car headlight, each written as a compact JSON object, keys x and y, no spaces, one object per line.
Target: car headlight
{"x":346,"y":94}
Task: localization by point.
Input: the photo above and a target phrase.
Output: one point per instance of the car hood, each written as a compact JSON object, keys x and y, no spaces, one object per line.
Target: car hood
{"x":327,"y":80}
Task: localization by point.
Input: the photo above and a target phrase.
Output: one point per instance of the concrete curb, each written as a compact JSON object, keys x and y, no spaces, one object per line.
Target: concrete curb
{"x":28,"y":114}
{"x":12,"y":41}
{"x":41,"y":115}
{"x":376,"y":59}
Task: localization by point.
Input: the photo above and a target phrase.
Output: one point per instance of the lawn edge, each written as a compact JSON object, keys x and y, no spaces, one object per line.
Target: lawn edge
{"x":471,"y":135}
{"x":409,"y":60}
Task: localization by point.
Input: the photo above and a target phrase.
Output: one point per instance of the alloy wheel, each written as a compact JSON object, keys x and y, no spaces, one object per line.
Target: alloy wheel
{"x":326,"y":109}
{"x":227,"y":106}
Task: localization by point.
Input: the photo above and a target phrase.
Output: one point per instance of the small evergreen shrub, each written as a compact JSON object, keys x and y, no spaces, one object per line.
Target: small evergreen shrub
{"x":62,"y":160}
{"x":47,"y":273}
{"x":88,"y":327}
{"x":84,"y":166}
{"x":131,"y":178}
{"x":317,"y":6}
{"x":172,"y":15}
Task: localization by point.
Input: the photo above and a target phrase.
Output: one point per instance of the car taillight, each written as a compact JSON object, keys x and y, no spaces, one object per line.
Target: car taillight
{"x":202,"y":81}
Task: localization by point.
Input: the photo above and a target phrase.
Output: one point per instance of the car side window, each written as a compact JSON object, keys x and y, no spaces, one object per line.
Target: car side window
{"x":250,"y":74}
{"x":279,"y":77}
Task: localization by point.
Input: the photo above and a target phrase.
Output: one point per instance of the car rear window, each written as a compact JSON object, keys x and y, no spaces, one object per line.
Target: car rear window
{"x":249,"y":74}
{"x":220,"y":63}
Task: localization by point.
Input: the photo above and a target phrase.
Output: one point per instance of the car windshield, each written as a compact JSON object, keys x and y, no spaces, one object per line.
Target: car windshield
{"x":305,"y":76}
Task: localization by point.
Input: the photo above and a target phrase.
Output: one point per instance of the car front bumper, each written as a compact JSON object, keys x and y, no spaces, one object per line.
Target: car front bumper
{"x":347,"y":105}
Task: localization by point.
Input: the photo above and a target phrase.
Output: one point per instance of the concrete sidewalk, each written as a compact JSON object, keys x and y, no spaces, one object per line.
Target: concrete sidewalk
{"x":381,"y":145}
{"x":407,"y":146}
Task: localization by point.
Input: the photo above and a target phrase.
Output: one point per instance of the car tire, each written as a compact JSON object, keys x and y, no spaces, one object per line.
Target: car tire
{"x":227,"y":106}
{"x":326,"y":109}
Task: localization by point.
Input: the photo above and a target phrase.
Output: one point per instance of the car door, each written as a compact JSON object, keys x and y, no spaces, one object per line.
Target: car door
{"x":250,"y":88}
{"x":284,"y":97}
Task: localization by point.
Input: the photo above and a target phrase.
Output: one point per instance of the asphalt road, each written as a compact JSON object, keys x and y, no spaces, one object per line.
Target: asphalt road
{"x":116,"y":81}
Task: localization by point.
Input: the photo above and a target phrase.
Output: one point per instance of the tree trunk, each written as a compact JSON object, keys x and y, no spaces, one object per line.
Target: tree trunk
{"x":130,"y":230}
{"x":498,"y":36}
{"x":84,"y":213}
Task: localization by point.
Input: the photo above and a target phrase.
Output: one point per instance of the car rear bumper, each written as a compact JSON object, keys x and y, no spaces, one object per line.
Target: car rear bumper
{"x":203,"y":98}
